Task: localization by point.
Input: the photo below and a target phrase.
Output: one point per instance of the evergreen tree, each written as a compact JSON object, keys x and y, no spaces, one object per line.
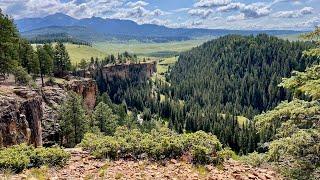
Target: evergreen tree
{"x":83,"y":64}
{"x":62,"y":63}
{"x":9,"y":45}
{"x":73,"y":120}
{"x":104,"y":118}
{"x":45,"y":62}
{"x":26,"y":55}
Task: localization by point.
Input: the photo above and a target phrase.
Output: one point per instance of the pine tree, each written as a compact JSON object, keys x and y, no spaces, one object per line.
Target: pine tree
{"x":104,"y":118}
{"x":45,"y":62}
{"x":62,"y":63}
{"x":73,"y":120}
{"x":9,"y":41}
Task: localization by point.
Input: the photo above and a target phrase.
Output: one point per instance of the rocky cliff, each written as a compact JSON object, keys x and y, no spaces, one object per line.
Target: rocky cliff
{"x":86,"y":87}
{"x":31,"y":115}
{"x":129,"y":71}
{"x":20,"y":117}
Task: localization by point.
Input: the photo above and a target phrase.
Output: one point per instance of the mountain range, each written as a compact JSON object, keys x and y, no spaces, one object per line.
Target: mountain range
{"x":100,"y":29}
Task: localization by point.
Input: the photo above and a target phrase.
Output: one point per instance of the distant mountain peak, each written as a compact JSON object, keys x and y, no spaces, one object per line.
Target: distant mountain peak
{"x":119,"y":28}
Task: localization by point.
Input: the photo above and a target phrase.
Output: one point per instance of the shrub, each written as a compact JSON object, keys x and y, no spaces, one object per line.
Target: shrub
{"x":49,"y":157}
{"x":107,"y":147}
{"x":158,"y":144}
{"x":15,"y":158}
{"x":201,"y":154}
{"x":254,"y":159}
{"x":227,"y":153}
{"x":19,"y":157}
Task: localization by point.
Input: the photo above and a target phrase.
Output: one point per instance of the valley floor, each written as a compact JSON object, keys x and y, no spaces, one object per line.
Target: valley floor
{"x":83,"y":166}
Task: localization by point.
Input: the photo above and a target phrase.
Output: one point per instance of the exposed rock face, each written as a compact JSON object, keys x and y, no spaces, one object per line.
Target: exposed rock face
{"x":55,"y":96}
{"x":31,"y":116}
{"x":87,"y":88}
{"x":20,"y":117}
{"x":128,"y":71}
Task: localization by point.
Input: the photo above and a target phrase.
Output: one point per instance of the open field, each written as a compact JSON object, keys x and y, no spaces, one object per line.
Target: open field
{"x":77,"y":52}
{"x":143,"y":50}
{"x":164,"y":64}
{"x":147,"y":49}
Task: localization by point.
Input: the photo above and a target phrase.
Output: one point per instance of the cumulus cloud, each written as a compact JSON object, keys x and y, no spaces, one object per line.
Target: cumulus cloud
{"x":136,"y":4}
{"x":211,"y":3}
{"x":238,"y":17}
{"x":36,"y":8}
{"x":231,"y":6}
{"x":203,"y":13}
{"x":204,"y":8}
{"x":311,"y":23}
{"x":256,"y":10}
{"x":293,"y":14}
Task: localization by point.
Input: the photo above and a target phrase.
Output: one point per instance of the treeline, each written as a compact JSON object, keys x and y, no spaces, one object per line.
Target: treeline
{"x":57,"y":37}
{"x":21,"y":59}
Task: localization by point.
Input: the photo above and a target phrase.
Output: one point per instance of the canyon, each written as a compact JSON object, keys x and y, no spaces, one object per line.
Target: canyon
{"x":30,"y":115}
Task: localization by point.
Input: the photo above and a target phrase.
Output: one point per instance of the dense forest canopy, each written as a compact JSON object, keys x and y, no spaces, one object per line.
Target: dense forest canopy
{"x":238,"y":74}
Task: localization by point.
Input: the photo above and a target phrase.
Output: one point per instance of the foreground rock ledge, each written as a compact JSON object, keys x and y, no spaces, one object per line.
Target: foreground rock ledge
{"x":83,"y":166}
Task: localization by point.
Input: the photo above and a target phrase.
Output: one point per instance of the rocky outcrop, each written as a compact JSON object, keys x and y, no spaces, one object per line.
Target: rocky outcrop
{"x":54,"y":96}
{"x":20,"y":117}
{"x":87,"y":88}
{"x":31,"y":115}
{"x":129,"y":71}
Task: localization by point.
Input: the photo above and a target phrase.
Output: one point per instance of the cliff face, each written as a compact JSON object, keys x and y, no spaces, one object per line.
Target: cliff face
{"x":55,"y":96}
{"x":20,"y":117}
{"x":129,"y":71}
{"x":85,"y":87}
{"x":31,"y":116}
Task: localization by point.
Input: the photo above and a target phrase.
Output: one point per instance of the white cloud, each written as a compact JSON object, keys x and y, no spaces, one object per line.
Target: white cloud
{"x":36,"y":8}
{"x":311,"y":23}
{"x":231,"y":6}
{"x":256,"y":10}
{"x":138,"y":3}
{"x":203,"y":13}
{"x":293,"y":14}
{"x":181,"y":10}
{"x":211,"y":3}
{"x":238,"y":17}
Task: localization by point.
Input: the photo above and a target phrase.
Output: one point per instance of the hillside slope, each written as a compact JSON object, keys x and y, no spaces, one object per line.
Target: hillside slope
{"x":238,"y":74}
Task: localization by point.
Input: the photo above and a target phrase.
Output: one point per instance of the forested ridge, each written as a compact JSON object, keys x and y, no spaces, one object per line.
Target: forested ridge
{"x":237,"y":74}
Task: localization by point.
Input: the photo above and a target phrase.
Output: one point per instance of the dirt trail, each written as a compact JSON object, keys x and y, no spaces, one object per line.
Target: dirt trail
{"x":82,"y":166}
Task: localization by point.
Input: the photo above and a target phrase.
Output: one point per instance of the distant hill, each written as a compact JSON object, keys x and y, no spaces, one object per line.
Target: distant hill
{"x":99,"y":29}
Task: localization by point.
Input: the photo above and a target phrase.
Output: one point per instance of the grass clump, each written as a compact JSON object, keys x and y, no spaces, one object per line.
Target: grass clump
{"x":157,"y":145}
{"x":20,"y":157}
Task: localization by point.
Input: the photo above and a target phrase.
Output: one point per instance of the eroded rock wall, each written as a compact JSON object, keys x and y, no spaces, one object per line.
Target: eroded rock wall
{"x":20,"y":117}
{"x":129,"y":71}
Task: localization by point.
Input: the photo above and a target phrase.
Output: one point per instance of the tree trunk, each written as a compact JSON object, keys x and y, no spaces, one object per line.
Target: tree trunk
{"x":42,"y":82}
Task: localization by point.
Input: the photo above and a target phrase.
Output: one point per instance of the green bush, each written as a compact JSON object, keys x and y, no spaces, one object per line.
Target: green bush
{"x":201,"y":154}
{"x":49,"y":157}
{"x":15,"y":158}
{"x":254,"y":159}
{"x":19,"y":157}
{"x":106,"y":147}
{"x":227,"y":153}
{"x":158,"y":144}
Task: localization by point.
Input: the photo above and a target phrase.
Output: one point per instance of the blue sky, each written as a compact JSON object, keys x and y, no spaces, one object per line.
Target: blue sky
{"x":229,"y":14}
